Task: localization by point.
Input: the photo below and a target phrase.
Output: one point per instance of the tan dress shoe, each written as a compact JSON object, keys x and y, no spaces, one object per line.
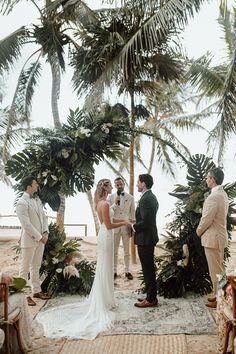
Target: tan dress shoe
{"x":30,"y":301}
{"x":146,"y":303}
{"x":212,"y":304}
{"x":41,"y":296}
{"x":211,"y":299}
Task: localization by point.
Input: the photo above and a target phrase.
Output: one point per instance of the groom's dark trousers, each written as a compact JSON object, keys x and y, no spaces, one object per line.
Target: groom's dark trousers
{"x":145,"y":238}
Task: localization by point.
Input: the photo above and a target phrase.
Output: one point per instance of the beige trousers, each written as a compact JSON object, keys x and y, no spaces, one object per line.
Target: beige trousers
{"x":125,"y":241}
{"x":31,"y":259}
{"x":215,"y":260}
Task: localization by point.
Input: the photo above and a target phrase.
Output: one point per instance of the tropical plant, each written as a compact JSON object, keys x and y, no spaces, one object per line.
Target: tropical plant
{"x":14,"y":136}
{"x":218,"y":82}
{"x":60,"y":272}
{"x":53,"y":40}
{"x":94,"y":59}
{"x":183,"y":265}
{"x":63,"y":160}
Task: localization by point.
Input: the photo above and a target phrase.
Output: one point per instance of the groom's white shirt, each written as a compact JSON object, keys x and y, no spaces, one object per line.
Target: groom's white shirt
{"x":33,"y":220}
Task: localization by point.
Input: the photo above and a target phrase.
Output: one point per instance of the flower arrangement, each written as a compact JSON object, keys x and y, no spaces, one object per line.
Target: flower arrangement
{"x":183,"y":266}
{"x":61,"y":273}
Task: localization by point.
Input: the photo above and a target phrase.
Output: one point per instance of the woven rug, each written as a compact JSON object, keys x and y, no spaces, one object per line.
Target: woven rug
{"x":128,"y":344}
{"x":186,"y":315}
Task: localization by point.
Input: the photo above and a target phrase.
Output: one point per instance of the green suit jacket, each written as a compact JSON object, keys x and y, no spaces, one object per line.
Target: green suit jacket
{"x":145,"y":226}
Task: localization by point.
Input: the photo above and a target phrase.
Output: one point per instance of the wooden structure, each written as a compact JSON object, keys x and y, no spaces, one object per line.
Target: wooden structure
{"x":11,"y":318}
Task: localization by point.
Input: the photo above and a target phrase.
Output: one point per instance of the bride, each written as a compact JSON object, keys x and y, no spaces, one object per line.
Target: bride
{"x":85,"y":320}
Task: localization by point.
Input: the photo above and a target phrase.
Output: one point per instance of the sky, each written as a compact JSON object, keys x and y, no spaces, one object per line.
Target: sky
{"x":201,"y":35}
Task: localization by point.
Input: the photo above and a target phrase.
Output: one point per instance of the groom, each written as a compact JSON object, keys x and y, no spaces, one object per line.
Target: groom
{"x":34,"y":236}
{"x":146,"y":237}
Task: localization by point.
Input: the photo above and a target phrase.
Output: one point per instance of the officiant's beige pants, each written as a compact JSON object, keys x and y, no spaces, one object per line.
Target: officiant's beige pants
{"x":126,"y":242}
{"x":31,"y":259}
{"x":215,"y":260}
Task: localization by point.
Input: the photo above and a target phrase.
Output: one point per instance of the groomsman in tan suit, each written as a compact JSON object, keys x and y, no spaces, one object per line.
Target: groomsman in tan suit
{"x":124,"y":209}
{"x":212,"y":228}
{"x":34,"y":236}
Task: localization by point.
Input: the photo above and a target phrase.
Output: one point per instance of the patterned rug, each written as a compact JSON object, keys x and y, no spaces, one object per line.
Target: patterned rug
{"x":173,"y":316}
{"x":128,"y":344}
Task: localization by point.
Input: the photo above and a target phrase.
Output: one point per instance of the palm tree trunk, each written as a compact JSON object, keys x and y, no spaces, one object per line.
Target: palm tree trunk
{"x":95,"y":217}
{"x":56,"y":84}
{"x":61,"y":212}
{"x":153,"y":143}
{"x":152,"y":156}
{"x":131,"y":169}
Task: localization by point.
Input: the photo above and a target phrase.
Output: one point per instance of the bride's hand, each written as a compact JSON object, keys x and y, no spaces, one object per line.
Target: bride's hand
{"x":128,"y":223}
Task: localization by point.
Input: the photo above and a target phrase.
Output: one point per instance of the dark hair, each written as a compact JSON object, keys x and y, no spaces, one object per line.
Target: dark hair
{"x":27,"y":181}
{"x":217,"y":174}
{"x":147,"y":179}
{"x":119,"y":179}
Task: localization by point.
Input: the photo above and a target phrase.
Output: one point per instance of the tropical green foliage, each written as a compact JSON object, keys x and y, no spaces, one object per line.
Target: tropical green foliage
{"x":183,"y":265}
{"x":59,"y":274}
{"x":63,"y":160}
{"x":219,"y":81}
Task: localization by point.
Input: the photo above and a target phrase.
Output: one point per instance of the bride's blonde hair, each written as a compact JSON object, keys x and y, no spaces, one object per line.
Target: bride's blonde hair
{"x":101,"y":192}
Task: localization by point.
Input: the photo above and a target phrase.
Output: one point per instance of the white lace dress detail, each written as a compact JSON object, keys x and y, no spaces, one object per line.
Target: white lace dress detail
{"x":86,"y":319}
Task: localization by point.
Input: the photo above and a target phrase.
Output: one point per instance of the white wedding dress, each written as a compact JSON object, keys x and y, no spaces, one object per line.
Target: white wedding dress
{"x":86,"y":319}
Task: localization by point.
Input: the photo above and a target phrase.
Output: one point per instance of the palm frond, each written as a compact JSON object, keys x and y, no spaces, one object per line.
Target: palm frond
{"x":209,"y":80}
{"x":227,"y":26}
{"x":11,"y":133}
{"x":10,"y":47}
{"x":187,"y":122}
{"x":227,"y":110}
{"x":27,"y":82}
{"x":6,"y":6}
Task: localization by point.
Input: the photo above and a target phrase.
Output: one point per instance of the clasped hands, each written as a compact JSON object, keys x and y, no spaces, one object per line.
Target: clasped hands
{"x":44,"y":238}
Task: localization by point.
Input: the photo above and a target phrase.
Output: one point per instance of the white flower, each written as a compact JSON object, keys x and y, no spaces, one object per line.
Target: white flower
{"x":70,"y":271}
{"x":105,"y":128}
{"x":54,"y":177}
{"x":55,"y":260}
{"x":59,"y":270}
{"x":65,"y":153}
{"x":86,"y":132}
{"x":179,"y":263}
{"x":45,"y":173}
{"x":45,"y":181}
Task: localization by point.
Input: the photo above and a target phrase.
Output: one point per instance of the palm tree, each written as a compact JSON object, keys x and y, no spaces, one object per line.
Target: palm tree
{"x":219,"y":82}
{"x":103,"y":45}
{"x":14,"y":136}
{"x":51,"y":37}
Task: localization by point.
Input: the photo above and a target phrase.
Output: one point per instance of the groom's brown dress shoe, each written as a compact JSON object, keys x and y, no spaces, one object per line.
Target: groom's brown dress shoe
{"x":30,"y":301}
{"x":41,"y":296}
{"x":212,"y":304}
{"x":211,"y":299}
{"x":141,"y":299}
{"x":129,"y":276}
{"x":146,"y":303}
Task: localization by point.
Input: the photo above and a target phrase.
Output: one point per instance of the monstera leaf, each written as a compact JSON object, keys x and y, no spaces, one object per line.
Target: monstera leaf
{"x":198,"y":166}
{"x":18,"y":284}
{"x":20,"y":164}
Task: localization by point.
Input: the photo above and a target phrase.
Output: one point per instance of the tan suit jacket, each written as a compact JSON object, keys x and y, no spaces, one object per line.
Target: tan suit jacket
{"x":125,"y":211}
{"x":212,"y":227}
{"x":33,"y":220}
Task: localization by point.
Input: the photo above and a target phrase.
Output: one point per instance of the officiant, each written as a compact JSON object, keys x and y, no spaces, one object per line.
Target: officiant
{"x":124,"y":209}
